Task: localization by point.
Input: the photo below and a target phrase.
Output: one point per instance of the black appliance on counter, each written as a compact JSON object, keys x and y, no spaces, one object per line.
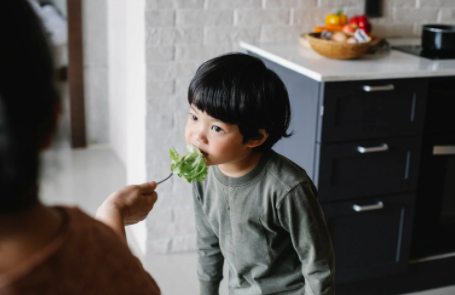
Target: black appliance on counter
{"x":434,"y":225}
{"x":419,"y":51}
{"x":438,"y":42}
{"x":438,"y":37}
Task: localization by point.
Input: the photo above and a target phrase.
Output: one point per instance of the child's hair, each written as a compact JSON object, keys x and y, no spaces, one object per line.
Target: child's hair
{"x":238,"y":89}
{"x":28,"y":100}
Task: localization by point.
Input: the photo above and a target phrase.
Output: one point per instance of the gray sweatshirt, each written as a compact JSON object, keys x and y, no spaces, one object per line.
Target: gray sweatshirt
{"x":269,"y":228}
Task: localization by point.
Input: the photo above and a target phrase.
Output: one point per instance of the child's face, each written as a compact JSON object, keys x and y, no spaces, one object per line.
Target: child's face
{"x":221,"y":143}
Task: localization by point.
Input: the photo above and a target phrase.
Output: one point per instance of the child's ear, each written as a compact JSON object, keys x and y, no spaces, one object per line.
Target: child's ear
{"x":260,"y":139}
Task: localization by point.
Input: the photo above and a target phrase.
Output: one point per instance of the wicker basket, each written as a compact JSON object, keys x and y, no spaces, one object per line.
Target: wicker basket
{"x":336,"y":50}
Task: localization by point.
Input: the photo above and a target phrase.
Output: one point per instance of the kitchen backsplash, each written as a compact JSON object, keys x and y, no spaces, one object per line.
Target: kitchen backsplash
{"x":181,"y":34}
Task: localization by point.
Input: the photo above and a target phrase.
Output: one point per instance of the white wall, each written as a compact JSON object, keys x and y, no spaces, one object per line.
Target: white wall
{"x":136,"y":96}
{"x":136,"y":107}
{"x":127,"y":103}
{"x":116,"y":11}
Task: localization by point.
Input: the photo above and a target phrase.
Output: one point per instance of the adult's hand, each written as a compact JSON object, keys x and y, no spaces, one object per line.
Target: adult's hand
{"x":127,"y":206}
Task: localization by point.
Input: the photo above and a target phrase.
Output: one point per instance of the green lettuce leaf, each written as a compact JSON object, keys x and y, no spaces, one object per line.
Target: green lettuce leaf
{"x":191,"y":166}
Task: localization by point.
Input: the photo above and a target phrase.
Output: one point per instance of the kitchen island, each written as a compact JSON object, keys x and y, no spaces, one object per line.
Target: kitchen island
{"x":361,"y":129}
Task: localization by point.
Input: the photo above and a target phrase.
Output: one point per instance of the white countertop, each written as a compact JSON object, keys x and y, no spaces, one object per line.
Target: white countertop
{"x":394,"y":64}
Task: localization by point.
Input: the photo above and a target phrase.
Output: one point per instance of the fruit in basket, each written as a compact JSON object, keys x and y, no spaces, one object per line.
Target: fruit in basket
{"x":334,"y":28}
{"x":318,"y":29}
{"x":330,"y":28}
{"x":349,"y":28}
{"x":339,"y":37}
{"x":361,"y":21}
{"x":333,"y":22}
{"x":338,"y":19}
{"x":336,"y":50}
{"x":339,"y":23}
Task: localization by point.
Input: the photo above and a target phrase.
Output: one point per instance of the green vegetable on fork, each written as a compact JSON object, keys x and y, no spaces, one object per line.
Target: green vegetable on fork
{"x":191,"y":166}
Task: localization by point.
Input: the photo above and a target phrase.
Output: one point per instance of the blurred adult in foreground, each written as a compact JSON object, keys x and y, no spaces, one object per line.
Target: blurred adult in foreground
{"x":53,"y":250}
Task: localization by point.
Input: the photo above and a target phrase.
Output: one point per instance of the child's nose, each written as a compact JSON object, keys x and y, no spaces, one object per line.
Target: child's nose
{"x":201,"y":137}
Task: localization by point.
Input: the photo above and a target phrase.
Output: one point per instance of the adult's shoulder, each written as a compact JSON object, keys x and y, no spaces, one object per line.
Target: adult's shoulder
{"x":85,"y":232}
{"x":86,"y":258}
{"x":93,"y":245}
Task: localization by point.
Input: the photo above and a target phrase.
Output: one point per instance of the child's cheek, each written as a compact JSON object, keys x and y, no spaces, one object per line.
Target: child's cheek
{"x":221,"y":148}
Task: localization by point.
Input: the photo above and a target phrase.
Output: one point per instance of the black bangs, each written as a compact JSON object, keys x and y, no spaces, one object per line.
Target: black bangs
{"x":216,"y":103}
{"x":238,"y":89}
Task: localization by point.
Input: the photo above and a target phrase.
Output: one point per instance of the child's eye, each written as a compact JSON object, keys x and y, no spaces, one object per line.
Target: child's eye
{"x":216,"y":129}
{"x":193,"y":117}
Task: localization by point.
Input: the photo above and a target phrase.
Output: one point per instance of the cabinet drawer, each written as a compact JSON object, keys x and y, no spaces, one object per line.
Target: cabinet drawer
{"x":370,"y":237}
{"x":366,"y":168}
{"x":372,"y":109}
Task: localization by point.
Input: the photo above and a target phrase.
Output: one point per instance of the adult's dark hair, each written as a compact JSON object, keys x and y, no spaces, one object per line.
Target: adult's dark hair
{"x":239,"y":89}
{"x":28,"y":100}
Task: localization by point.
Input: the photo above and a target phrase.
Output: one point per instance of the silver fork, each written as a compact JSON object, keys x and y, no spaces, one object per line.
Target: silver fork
{"x":170,"y":175}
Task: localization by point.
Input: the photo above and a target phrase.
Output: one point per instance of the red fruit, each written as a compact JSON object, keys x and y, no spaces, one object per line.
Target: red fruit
{"x":362,"y":22}
{"x":354,"y":20}
{"x":349,"y":28}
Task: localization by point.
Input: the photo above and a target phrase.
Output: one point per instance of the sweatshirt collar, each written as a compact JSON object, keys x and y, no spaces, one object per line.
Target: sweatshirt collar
{"x":247,"y":178}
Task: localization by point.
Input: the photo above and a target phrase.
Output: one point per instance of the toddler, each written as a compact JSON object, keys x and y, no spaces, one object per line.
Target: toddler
{"x":256,"y":209}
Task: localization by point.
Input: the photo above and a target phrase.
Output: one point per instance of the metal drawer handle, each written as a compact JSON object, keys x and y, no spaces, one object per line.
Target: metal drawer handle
{"x":359,"y":208}
{"x":369,"y":88}
{"x":444,"y":150}
{"x":364,"y":150}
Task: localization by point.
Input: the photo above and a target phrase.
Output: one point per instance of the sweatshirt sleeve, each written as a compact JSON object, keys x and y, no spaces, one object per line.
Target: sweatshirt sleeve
{"x":300,"y":214}
{"x":210,"y":258}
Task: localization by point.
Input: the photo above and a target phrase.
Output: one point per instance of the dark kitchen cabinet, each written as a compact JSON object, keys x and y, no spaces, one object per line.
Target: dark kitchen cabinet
{"x":366,"y":168}
{"x":441,"y":106}
{"x":371,"y":237}
{"x":435,"y":203}
{"x":360,"y":142}
{"x":372,"y":109}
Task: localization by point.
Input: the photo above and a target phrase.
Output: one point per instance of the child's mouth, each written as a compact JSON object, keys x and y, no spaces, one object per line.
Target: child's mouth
{"x":203,"y":153}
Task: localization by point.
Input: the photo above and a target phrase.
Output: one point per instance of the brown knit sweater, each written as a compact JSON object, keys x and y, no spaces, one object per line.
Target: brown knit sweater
{"x":86,"y":258}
